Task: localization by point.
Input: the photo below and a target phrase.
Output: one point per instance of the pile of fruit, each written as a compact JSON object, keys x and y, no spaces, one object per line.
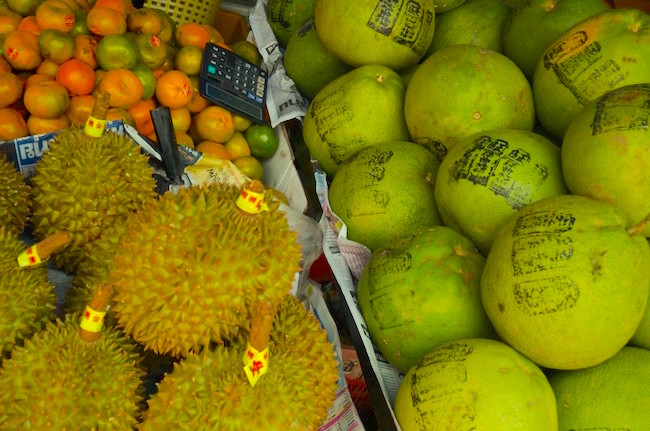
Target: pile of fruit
{"x":57,"y":54}
{"x":492,"y":156}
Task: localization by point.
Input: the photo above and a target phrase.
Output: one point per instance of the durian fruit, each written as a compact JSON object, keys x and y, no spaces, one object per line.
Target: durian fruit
{"x":59,"y":381}
{"x":190,"y":270}
{"x":15,"y":199}
{"x":84,"y":185}
{"x":27,"y":298}
{"x":210,"y":390}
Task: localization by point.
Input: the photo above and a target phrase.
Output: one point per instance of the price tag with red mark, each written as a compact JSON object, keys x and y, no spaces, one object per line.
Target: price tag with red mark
{"x":29,"y":257}
{"x":95,"y":127}
{"x":251,"y":202}
{"x":92,"y":320}
{"x":256,"y":363}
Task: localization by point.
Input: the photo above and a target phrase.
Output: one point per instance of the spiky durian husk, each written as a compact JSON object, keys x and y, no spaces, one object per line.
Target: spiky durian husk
{"x":210,"y":390}
{"x":84,"y":185}
{"x":15,"y":199}
{"x":190,"y":271}
{"x":27,"y":298}
{"x":58,"y":381}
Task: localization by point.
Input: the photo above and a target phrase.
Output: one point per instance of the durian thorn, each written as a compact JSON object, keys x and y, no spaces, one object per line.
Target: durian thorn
{"x":639,"y":227}
{"x":52,"y":244}
{"x":261,"y":324}
{"x":99,"y":302}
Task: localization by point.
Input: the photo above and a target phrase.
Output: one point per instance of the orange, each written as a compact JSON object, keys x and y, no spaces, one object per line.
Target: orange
{"x":23,"y":7}
{"x":77,"y":77}
{"x":250,"y":166}
{"x":56,"y":45}
{"x":37,"y":77}
{"x":103,"y":21}
{"x":79,"y":109}
{"x":237,"y":146}
{"x":4,"y":65}
{"x":46,"y":99}
{"x":55,"y":14}
{"x":47,"y":67}
{"x":183,"y":138}
{"x":11,"y":89}
{"x":193,"y":34}
{"x":99,"y":74}
{"x":151,"y":50}
{"x":80,"y":25}
{"x":119,"y":6}
{"x":215,"y":35}
{"x":181,"y":119}
{"x":174,"y":89}
{"x":116,"y":51}
{"x":141,"y":113}
{"x":120,"y":114}
{"x":28,"y":23}
{"x":37,"y":125}
{"x":214,"y":123}
{"x":212,"y":148}
{"x":85,"y":49}
{"x":147,"y":78}
{"x":188,"y":60}
{"x":12,"y":124}
{"x":20,"y":49}
{"x":124,"y":87}
{"x":144,"y":20}
{"x":9,"y":21}
{"x":198,"y":102}
{"x":241,"y":123}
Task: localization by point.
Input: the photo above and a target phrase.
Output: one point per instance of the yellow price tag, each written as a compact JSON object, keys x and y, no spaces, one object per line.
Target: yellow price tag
{"x":251,"y":202}
{"x":95,"y":127}
{"x":92,"y":320}
{"x":29,"y":257}
{"x":255,"y":363}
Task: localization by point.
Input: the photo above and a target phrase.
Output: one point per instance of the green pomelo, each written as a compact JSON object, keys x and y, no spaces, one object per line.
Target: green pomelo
{"x":420,"y":291}
{"x":534,"y":24}
{"x":385,"y":191}
{"x":308,"y":63}
{"x":613,"y":395}
{"x":606,"y":51}
{"x":287,"y":16}
{"x":476,"y":384}
{"x":462,"y":90}
{"x":442,"y":6}
{"x":370,"y":32}
{"x":359,"y":108}
{"x":476,"y":22}
{"x":606,"y":151}
{"x":565,"y":283}
{"x":496,"y":173}
{"x":641,"y":337}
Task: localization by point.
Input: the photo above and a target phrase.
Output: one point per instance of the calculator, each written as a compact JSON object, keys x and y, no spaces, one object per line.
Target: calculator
{"x":233,"y":82}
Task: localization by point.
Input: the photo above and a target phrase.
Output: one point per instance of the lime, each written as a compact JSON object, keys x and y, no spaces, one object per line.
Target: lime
{"x":262,"y":140}
{"x":250,"y":166}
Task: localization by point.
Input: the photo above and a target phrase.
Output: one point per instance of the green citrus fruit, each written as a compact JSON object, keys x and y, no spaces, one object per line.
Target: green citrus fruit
{"x":286,"y":16}
{"x":116,"y":51}
{"x":565,"y":283}
{"x":188,"y":60}
{"x":606,"y":151}
{"x":262,"y":140}
{"x":476,"y":384}
{"x":606,"y":51}
{"x":250,"y":166}
{"x":23,"y":7}
{"x":534,"y":24}
{"x":462,"y":90}
{"x":308,"y":63}
{"x":641,"y":337}
{"x":147,"y":78}
{"x":248,"y":50}
{"x":367,"y":32}
{"x":237,"y":146}
{"x":496,"y":172}
{"x":442,"y":6}
{"x":476,"y":22}
{"x":612,"y":395}
{"x":421,"y":290}
{"x":55,"y":45}
{"x":357,"y":109}
{"x":151,"y":50}
{"x":385,"y":191}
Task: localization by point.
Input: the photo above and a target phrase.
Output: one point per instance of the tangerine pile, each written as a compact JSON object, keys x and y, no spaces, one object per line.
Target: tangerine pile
{"x":57,"y":54}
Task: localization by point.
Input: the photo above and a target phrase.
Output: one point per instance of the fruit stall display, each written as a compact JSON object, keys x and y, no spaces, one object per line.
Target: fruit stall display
{"x":483,"y":166}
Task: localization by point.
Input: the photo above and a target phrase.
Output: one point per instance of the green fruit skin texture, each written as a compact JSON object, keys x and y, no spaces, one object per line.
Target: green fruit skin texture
{"x":286,"y":16}
{"x":420,"y":291}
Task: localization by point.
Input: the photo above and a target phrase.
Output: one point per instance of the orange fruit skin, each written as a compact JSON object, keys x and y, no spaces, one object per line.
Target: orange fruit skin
{"x":124,"y":87}
{"x":141,"y":113}
{"x":77,"y":77}
{"x":212,"y":148}
{"x":55,"y":45}
{"x":55,"y":14}
{"x":174,"y":89}
{"x":193,"y":34}
{"x":47,"y":67}
{"x":119,"y":6}
{"x":198,"y":103}
{"x":183,"y":138}
{"x":102,"y":21}
{"x":79,"y":109}
{"x":86,"y":49}
{"x":181,"y":119}
{"x":120,"y":114}
{"x":12,"y":124}
{"x":4,"y":65}
{"x":37,"y":125}
{"x":9,"y":21}
{"x":20,"y":49}
{"x":37,"y":77}
{"x":214,"y":123}
{"x":46,"y":99}
{"x":29,"y":24}
{"x":11,"y":89}
{"x":144,"y":20}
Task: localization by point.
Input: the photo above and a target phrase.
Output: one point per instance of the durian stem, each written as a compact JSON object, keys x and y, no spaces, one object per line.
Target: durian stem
{"x":99,"y":302}
{"x":639,"y":227}
{"x":261,"y":324}
{"x":251,"y":200}
{"x":53,"y":243}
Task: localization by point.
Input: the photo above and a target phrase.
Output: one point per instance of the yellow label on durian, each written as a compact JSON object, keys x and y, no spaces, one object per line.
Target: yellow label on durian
{"x":95,"y":127}
{"x":251,"y":202}
{"x":255,"y":363}
{"x":92,"y":320}
{"x":29,"y":257}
